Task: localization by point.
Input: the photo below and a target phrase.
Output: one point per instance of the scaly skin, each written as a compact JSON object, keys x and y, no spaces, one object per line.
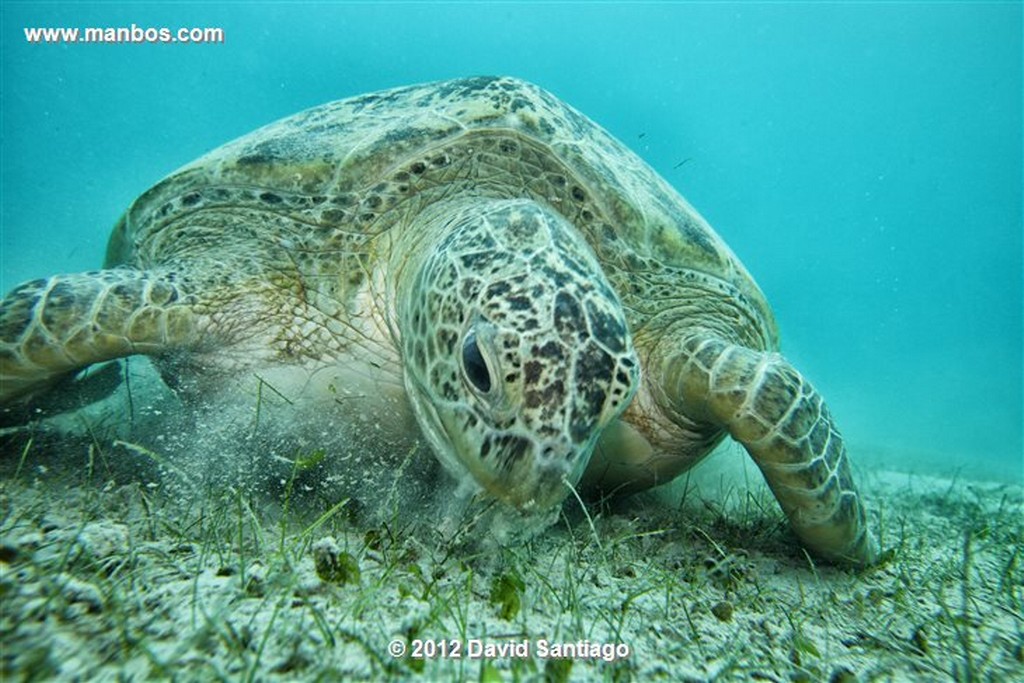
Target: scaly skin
{"x":58,"y":325}
{"x":783,"y":422}
{"x":509,"y":294}
{"x":485,"y":255}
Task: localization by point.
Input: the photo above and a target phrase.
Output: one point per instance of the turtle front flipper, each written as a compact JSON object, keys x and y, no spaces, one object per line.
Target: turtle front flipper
{"x":783,"y":422}
{"x":51,"y":327}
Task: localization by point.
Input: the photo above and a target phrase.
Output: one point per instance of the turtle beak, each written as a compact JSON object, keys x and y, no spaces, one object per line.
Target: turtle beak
{"x":506,"y":467}
{"x":527,"y":472}
{"x":529,"y":476}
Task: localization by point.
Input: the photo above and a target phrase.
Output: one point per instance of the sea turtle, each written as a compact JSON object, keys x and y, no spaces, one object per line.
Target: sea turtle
{"x":548,"y":309}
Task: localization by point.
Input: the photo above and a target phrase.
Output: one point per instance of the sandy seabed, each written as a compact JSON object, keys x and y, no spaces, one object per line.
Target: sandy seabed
{"x":109,"y":572}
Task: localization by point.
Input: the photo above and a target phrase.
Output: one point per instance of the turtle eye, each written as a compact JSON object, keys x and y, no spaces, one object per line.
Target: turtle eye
{"x":474,"y":364}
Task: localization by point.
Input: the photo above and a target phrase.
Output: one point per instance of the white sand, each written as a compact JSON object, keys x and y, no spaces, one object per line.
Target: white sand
{"x":107,"y":576}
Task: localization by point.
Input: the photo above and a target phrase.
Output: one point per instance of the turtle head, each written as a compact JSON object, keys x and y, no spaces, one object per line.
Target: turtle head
{"x":515,"y":348}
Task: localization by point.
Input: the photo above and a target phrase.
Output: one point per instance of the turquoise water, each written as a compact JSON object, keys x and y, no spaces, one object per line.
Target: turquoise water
{"x":864,"y":160}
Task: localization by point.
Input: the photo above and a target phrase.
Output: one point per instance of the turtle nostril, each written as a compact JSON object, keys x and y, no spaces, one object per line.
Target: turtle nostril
{"x":554,"y":451}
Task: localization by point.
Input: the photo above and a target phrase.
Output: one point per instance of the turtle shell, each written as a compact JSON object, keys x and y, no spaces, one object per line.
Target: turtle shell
{"x":336,"y":176}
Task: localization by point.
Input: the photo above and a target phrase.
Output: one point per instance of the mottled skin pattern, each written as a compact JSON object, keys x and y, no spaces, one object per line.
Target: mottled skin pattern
{"x":546,"y":306}
{"x":510,"y":298}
